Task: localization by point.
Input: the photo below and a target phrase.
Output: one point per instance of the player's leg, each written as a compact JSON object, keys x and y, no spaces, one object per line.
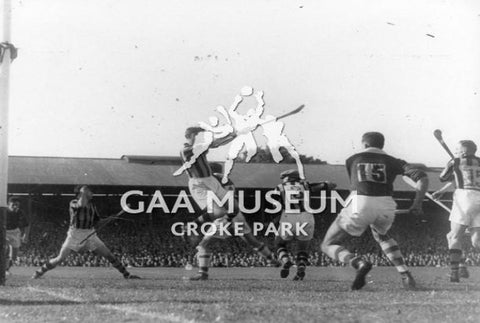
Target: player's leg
{"x":12,"y":245}
{"x":475,"y":232}
{"x":54,"y":262}
{"x":97,"y":246}
{"x":332,"y":246}
{"x":462,"y":266}
{"x":392,"y":252}
{"x":12,"y":256}
{"x":283,"y":256}
{"x":307,"y":222}
{"x":203,"y":258}
{"x":302,"y":259}
{"x":454,"y":238}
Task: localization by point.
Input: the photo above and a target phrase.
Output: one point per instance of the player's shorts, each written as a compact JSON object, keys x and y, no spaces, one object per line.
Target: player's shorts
{"x":376,"y":212}
{"x":13,"y":238}
{"x":243,"y":228}
{"x":301,"y":226}
{"x":76,"y":236}
{"x":199,"y":188}
{"x":466,"y":208}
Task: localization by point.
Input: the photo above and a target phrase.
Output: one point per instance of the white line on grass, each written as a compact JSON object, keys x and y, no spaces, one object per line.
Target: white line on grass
{"x":124,"y":309}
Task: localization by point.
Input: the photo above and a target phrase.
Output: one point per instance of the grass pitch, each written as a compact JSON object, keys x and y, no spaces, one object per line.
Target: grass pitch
{"x":236,"y":295}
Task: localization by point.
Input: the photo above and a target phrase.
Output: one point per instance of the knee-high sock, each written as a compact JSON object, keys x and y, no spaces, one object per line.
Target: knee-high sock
{"x":203,"y":257}
{"x":282,"y":254}
{"x":338,"y":253}
{"x":46,"y":267}
{"x":393,"y":253}
{"x":455,"y":256}
{"x":118,"y":266}
{"x":302,"y":259}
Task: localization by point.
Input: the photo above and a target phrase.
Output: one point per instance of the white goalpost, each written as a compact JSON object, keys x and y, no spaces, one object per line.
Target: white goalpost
{"x":4,"y":99}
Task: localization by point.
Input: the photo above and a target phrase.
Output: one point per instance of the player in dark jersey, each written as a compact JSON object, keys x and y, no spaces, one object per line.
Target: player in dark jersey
{"x":245,"y":232}
{"x":464,"y":171}
{"x":17,"y":230}
{"x":83,"y":217}
{"x":295,"y":187}
{"x":200,"y":177}
{"x":372,"y":173}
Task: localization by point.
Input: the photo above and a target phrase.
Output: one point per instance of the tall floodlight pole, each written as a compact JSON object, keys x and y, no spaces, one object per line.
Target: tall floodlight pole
{"x":4,"y":89}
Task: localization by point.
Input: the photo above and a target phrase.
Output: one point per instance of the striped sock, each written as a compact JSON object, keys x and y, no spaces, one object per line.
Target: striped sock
{"x":302,"y":259}
{"x":203,"y":263}
{"x":118,"y":265}
{"x":46,"y":267}
{"x":455,"y":256}
{"x":393,"y":253}
{"x":282,"y":255}
{"x":338,"y":253}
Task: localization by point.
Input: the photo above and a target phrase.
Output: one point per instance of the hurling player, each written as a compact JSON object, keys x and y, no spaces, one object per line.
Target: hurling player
{"x":372,"y":173}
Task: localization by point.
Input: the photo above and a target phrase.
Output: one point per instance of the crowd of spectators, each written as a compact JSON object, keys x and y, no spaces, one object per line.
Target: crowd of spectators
{"x":156,"y":246}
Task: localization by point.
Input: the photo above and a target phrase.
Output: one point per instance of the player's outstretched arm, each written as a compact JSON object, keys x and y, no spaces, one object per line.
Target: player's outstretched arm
{"x":420,"y":190}
{"x":439,"y":193}
{"x":223,"y":141}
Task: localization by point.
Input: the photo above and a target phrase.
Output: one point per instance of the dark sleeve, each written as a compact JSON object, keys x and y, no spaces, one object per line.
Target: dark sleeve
{"x":411,"y":171}
{"x":96,"y":215}
{"x":447,"y":174}
{"x":348,"y":163}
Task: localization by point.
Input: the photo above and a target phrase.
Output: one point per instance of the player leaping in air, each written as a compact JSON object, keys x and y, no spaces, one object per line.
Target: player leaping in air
{"x":83,"y":217}
{"x":372,"y":173}
{"x":464,"y":169}
{"x":245,"y":233}
{"x":293,"y":188}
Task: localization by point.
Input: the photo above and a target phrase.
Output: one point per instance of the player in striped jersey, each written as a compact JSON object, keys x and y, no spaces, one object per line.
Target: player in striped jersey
{"x":203,"y":250}
{"x":465,"y":171}
{"x":295,"y":187}
{"x":83,"y":217}
{"x":372,"y":173}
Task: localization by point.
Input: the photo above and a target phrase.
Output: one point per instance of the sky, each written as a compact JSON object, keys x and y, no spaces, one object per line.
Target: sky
{"x":98,"y":78}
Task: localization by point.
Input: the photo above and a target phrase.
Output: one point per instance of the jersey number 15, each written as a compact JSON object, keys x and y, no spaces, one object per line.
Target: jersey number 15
{"x":369,"y":172}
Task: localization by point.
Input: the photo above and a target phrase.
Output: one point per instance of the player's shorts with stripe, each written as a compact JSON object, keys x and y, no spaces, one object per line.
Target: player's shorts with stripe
{"x":199,"y":188}
{"x":466,"y":208}
{"x":243,"y":227}
{"x":376,"y":212}
{"x":76,"y":236}
{"x":13,"y":238}
{"x":301,"y":225}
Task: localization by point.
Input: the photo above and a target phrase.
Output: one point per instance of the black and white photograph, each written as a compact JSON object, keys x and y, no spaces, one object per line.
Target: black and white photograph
{"x":239,"y":161}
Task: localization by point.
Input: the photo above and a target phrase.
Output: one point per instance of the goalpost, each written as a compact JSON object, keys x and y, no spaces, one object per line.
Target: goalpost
{"x":4,"y":91}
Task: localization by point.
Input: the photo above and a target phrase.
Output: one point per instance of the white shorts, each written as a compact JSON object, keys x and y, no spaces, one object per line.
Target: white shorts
{"x":377,"y":212}
{"x":13,"y":238}
{"x":199,"y":188}
{"x":302,"y":226}
{"x":75,"y":236}
{"x":466,"y":208}
{"x":243,"y":229}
